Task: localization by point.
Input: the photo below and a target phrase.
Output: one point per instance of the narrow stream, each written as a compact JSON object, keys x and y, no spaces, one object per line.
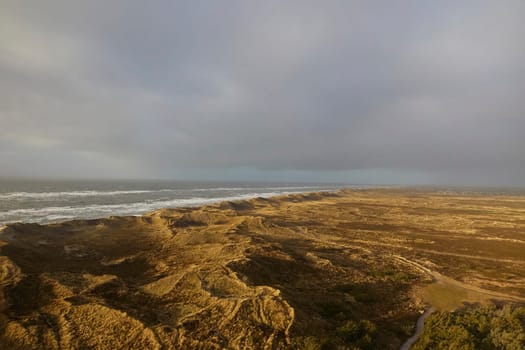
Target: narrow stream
{"x":419,"y":329}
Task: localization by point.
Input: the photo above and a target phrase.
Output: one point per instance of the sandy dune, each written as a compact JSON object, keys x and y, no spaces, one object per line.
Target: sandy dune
{"x":278,"y":273}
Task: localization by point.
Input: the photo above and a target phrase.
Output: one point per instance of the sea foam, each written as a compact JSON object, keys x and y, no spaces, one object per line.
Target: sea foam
{"x":60,"y":213}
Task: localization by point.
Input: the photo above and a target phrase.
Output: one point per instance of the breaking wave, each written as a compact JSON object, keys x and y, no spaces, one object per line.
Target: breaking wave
{"x":49,"y":214}
{"x":25,"y":195}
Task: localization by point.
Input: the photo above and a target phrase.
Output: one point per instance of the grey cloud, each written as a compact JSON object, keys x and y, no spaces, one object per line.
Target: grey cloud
{"x":161,"y":89}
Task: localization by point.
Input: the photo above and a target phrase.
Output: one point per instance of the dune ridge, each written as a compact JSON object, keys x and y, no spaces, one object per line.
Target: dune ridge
{"x":294,"y":271}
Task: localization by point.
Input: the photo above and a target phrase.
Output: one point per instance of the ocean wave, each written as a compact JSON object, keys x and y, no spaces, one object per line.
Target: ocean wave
{"x":258,"y":188}
{"x":89,"y":193}
{"x":95,"y":193}
{"x":49,"y":214}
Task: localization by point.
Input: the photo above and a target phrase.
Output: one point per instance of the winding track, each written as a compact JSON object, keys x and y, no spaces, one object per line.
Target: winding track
{"x":419,"y":329}
{"x":438,"y":277}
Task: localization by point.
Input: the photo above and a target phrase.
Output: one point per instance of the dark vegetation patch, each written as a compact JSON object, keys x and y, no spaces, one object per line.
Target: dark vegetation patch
{"x":334,"y":308}
{"x":475,"y":327}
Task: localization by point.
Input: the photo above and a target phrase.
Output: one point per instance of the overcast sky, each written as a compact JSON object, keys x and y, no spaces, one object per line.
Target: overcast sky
{"x":352,"y":91}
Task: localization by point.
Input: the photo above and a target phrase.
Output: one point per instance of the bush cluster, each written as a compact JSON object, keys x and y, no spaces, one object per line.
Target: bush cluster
{"x":475,"y":328}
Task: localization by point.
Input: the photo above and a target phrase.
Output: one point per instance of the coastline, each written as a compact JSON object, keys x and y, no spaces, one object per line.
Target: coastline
{"x":284,"y":270}
{"x":53,"y":210}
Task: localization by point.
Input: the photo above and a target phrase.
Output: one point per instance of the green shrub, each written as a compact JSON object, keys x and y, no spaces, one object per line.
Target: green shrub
{"x":361,"y":334}
{"x":476,"y":328}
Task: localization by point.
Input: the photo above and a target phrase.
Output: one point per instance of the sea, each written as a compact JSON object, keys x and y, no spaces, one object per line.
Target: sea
{"x":47,"y":201}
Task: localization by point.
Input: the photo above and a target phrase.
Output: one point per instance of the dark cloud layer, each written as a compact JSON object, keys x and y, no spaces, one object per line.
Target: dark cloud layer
{"x":404,"y":91}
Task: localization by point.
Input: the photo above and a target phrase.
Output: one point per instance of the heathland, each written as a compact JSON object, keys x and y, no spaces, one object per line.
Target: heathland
{"x":352,"y":269}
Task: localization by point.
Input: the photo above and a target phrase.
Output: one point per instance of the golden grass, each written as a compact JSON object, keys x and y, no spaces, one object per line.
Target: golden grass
{"x":259,"y":274}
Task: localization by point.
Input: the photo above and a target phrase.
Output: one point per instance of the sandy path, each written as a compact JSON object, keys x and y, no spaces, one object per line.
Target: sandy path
{"x":438,"y":277}
{"x":419,"y":329}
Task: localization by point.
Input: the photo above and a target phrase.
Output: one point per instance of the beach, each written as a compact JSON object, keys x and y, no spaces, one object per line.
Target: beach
{"x":48,"y":201}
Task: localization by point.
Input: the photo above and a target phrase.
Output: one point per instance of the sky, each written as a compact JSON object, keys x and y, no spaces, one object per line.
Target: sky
{"x":378,"y":92}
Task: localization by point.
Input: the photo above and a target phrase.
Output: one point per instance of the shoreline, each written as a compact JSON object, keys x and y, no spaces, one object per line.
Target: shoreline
{"x":302,"y":267}
{"x":124,"y":209}
{"x":204,"y":203}
{"x":138,"y":208}
{"x":401,"y":189}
